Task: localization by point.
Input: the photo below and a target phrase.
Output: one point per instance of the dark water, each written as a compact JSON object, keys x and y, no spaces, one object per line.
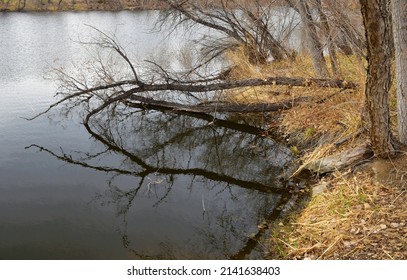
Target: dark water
{"x":156,"y":185}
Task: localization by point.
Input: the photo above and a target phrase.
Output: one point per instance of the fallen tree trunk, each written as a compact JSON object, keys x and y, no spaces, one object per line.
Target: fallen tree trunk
{"x":273,"y":81}
{"x":343,"y":160}
{"x":150,"y":103}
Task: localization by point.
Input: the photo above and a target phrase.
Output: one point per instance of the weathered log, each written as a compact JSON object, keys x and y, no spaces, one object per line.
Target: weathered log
{"x":274,"y":81}
{"x":343,"y":160}
{"x":151,"y":103}
{"x":305,"y":82}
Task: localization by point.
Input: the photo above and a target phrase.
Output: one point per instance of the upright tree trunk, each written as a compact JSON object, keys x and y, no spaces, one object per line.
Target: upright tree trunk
{"x":377,"y":22}
{"x":314,"y":45}
{"x":399,"y":10}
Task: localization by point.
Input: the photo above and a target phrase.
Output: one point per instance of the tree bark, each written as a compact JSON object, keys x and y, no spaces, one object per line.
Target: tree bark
{"x":314,"y":45}
{"x":377,"y":22}
{"x":272,"y":81}
{"x":343,"y":160}
{"x":399,"y":16}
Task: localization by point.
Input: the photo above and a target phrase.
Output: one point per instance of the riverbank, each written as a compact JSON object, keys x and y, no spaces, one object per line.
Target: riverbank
{"x":358,"y":212}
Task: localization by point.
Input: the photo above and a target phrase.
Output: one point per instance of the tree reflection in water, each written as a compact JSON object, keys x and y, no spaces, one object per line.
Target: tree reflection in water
{"x":183,"y":187}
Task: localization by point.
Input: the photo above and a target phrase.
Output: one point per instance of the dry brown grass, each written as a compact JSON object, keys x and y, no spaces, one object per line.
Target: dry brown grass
{"x":330,"y":115}
{"x":359,"y":217}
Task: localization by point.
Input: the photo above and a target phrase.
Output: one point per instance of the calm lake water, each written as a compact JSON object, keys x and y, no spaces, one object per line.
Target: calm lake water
{"x":153,"y":186}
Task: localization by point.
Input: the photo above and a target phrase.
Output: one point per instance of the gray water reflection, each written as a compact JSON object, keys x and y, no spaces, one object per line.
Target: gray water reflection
{"x":168,"y":168}
{"x":183,"y":188}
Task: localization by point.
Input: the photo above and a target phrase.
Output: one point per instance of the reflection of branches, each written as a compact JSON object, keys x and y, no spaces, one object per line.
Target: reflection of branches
{"x":187,"y":171}
{"x":68,"y":158}
{"x":115,"y":142}
{"x":142,"y":255}
{"x":129,"y":195}
{"x":147,"y":169}
{"x":289,"y":201}
{"x":169,"y":188}
{"x":174,"y":171}
{"x":171,"y":171}
{"x":116,"y":134}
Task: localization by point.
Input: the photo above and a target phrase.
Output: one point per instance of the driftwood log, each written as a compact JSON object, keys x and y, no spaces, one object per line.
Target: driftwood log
{"x":343,"y":160}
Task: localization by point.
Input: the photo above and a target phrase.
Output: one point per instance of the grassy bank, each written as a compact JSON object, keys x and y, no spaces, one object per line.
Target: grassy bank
{"x":358,"y":213}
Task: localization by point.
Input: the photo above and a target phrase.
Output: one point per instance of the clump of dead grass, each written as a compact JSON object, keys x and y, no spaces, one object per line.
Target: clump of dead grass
{"x":338,"y":116}
{"x":357,"y":218}
{"x":330,"y":114}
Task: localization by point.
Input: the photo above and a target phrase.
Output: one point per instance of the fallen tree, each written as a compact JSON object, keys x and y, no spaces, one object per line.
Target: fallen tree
{"x":111,"y":92}
{"x":117,"y":94}
{"x":150,"y":103}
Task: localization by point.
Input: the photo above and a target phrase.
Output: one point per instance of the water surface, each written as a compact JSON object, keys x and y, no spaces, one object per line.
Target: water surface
{"x":156,"y":185}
